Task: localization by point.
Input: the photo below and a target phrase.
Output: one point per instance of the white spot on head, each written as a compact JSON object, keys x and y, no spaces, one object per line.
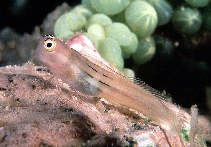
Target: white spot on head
{"x":77,"y":47}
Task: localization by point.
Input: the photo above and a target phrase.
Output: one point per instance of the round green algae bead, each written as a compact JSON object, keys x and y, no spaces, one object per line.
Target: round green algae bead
{"x":110,"y":50}
{"x":109,"y":7}
{"x":119,"y":32}
{"x":145,"y":51}
{"x":68,"y":23}
{"x":197,"y":3}
{"x":128,"y":72}
{"x":96,"y":32}
{"x":186,"y":20}
{"x":99,"y":18}
{"x":127,"y":51}
{"x":163,"y":9}
{"x":82,"y":10}
{"x":63,"y":32}
{"x":141,"y":18}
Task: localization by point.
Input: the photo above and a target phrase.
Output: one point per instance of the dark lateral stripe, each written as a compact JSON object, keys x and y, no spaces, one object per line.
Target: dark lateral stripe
{"x":105,"y":75}
{"x":96,"y":71}
{"x":104,"y":84}
{"x":88,"y":74}
{"x":91,"y":67}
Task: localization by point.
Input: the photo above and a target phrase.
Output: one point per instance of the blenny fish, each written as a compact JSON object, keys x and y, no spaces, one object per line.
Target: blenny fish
{"x":77,"y":63}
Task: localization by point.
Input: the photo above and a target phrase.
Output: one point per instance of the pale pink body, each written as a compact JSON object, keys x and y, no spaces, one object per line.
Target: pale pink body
{"x":78,"y":64}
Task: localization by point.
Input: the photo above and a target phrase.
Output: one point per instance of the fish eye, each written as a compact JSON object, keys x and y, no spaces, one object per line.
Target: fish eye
{"x":49,"y":45}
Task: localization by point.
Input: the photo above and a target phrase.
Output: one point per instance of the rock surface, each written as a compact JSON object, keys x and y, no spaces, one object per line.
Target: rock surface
{"x":37,"y":110}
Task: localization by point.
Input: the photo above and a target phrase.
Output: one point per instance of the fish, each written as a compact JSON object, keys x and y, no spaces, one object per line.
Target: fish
{"x":77,"y":63}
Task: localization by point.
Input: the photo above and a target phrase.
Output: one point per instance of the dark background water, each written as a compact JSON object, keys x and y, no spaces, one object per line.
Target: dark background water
{"x":23,"y":15}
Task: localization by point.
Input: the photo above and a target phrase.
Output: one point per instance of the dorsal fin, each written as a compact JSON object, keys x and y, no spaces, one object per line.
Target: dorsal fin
{"x":150,"y":89}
